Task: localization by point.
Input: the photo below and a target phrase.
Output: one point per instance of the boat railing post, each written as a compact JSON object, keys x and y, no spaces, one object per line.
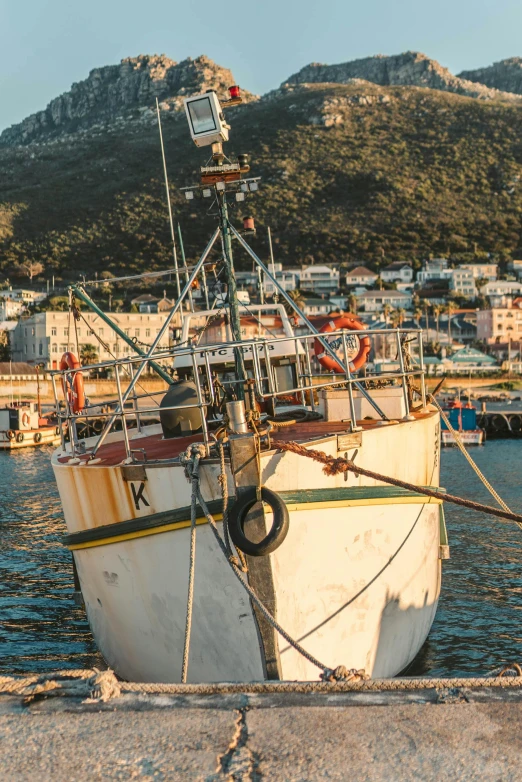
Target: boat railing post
{"x":208,"y":368}
{"x":200,"y":400}
{"x":71,"y":424}
{"x":421,"y":361}
{"x":123,"y":419}
{"x":349,"y":378}
{"x":258,"y":375}
{"x":308,"y":366}
{"x":135,"y":399}
{"x":408,"y":416}
{"x":269,"y":373}
{"x":58,"y":413}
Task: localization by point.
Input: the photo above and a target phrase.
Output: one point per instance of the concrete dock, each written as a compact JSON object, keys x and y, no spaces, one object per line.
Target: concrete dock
{"x":445,"y":734}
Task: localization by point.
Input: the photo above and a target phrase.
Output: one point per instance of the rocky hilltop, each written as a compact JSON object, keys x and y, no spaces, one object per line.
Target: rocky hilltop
{"x":411,"y":68}
{"x":505,"y":75}
{"x":117,"y":90}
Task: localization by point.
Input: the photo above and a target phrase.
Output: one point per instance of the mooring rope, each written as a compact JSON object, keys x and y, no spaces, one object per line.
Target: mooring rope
{"x":474,"y":466}
{"x":333,"y":466}
{"x":328,"y":674}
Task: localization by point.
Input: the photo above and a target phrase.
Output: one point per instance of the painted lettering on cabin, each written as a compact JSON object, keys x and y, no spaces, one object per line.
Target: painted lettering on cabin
{"x":138,"y":496}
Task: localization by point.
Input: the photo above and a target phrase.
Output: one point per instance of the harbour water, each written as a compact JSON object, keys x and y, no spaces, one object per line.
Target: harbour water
{"x":476,"y":630}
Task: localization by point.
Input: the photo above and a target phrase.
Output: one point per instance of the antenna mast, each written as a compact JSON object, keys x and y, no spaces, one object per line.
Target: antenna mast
{"x":171,"y":221}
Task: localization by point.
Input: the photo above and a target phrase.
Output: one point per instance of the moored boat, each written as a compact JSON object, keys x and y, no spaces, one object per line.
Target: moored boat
{"x":23,"y":426}
{"x":181,"y":531}
{"x":463,"y":419}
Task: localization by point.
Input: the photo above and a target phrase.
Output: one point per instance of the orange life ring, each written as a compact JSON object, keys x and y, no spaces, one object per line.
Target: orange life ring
{"x":73,"y":384}
{"x":337,"y":324}
{"x":25,"y":419}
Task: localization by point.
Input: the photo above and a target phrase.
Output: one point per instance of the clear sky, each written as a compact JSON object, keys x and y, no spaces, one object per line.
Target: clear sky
{"x":46,"y":45}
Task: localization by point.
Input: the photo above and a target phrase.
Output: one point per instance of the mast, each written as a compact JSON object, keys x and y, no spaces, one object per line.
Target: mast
{"x":233,"y":306}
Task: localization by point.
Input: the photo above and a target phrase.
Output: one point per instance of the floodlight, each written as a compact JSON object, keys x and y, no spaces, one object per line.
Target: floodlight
{"x":240,"y":196}
{"x":244,"y":187}
{"x":189,"y":195}
{"x":207,"y":192}
{"x":220,"y":185}
{"x":206,"y":121}
{"x":253,"y":186}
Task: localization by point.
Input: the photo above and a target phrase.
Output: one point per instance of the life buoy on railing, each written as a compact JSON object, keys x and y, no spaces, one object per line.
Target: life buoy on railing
{"x":72,"y":384}
{"x":338,"y":324}
{"x":277,"y":532}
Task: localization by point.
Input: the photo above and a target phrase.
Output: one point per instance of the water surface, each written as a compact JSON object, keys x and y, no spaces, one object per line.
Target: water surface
{"x":477,"y":628}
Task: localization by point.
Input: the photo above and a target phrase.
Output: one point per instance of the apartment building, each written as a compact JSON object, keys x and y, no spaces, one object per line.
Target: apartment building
{"x":374,"y":301}
{"x":44,"y":337}
{"x":499,"y":324}
{"x":319,"y":279}
{"x":436,"y":269}
{"x":486,"y":271}
{"x":288,"y":279}
{"x":462,"y":282}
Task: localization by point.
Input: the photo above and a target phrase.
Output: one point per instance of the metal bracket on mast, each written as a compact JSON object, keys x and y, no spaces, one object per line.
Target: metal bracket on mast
{"x":301,"y":314}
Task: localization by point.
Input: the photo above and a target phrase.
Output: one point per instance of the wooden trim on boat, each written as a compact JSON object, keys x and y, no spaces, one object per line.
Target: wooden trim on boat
{"x":306,"y":499}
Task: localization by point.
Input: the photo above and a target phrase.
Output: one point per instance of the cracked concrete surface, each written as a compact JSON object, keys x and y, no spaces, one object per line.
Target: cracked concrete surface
{"x":362,"y":737}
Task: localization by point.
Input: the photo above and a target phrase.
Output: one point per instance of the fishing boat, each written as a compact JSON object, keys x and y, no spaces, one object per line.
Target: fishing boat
{"x":463,"y":419}
{"x":213,"y":546}
{"x":22,"y":425}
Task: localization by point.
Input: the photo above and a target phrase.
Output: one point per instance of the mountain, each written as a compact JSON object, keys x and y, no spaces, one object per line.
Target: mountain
{"x":410,"y":68}
{"x":350,"y":172}
{"x":115,"y":92}
{"x":504,"y":75}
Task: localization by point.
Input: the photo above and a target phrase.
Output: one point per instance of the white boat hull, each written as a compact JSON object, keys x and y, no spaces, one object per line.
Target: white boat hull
{"x":356,"y":581}
{"x":469,"y":437}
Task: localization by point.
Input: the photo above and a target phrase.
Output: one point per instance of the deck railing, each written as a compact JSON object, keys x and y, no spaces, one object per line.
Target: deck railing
{"x":198,"y":360}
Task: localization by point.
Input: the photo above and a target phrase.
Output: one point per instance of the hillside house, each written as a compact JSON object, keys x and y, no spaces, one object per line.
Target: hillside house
{"x":360,"y":276}
{"x":436,"y":269}
{"x":499,"y":324}
{"x":397,"y":271}
{"x":486,"y":271}
{"x":469,"y":360}
{"x":374,"y":301}
{"x":319,"y":279}
{"x":462,"y":282}
{"x":288,"y":279}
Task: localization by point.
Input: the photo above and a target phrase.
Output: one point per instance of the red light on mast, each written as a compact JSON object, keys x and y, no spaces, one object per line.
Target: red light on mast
{"x":234,"y":91}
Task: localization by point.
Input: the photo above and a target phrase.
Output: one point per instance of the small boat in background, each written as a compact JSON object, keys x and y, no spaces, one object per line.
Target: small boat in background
{"x":463,"y":418}
{"x":23,"y":426}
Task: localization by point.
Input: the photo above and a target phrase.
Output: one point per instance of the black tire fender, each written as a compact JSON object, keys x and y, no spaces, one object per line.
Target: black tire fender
{"x":19,"y":437}
{"x":38,"y":437}
{"x":276,"y":534}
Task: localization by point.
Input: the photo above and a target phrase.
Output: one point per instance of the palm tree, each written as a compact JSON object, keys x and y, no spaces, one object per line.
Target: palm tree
{"x":401,"y":313}
{"x":386,"y":309}
{"x":88,"y":354}
{"x":417,"y":315}
{"x":352,"y":303}
{"x":298,"y":298}
{"x":436,"y":309}
{"x":450,"y":308}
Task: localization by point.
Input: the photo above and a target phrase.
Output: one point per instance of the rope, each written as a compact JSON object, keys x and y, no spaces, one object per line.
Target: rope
{"x":95,"y":685}
{"x":464,"y":451}
{"x":333,"y":466}
{"x":328,"y":674}
{"x":192,"y":457}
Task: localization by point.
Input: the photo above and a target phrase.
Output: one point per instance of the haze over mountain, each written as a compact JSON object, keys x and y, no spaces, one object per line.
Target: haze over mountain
{"x":351,"y":170}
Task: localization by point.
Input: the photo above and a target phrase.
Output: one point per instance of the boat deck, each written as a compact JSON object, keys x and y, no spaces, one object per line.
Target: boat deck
{"x":156,"y":448}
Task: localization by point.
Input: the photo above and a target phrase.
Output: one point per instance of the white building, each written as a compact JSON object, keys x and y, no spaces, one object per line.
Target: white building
{"x":313,"y":306}
{"x":374,"y":301}
{"x":360,"y":276}
{"x":320,"y":279}
{"x":397,"y":271}
{"x":26,"y":296}
{"x":10,"y":308}
{"x":486,"y":271}
{"x":44,"y":337}
{"x":288,"y":279}
{"x":437,"y":269}
{"x":499,"y":324}
{"x":462,"y":282}
{"x":501,"y":288}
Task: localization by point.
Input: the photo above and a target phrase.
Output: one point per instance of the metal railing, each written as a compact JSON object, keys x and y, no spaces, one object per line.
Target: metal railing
{"x":261,"y":367}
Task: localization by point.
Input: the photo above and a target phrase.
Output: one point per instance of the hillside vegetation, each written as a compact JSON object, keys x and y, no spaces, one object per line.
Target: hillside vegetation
{"x":353,"y":172}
